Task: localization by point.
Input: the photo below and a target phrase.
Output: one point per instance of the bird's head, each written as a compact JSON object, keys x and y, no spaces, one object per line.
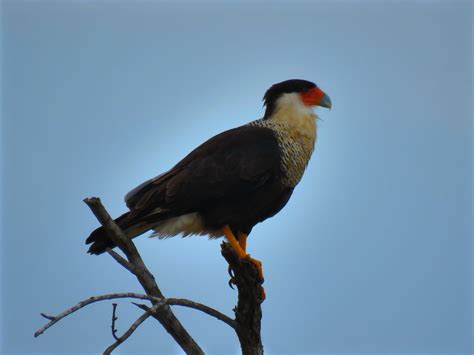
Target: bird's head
{"x":298,"y":92}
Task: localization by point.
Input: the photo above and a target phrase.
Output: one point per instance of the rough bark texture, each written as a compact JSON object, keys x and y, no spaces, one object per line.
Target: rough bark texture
{"x":248,"y":313}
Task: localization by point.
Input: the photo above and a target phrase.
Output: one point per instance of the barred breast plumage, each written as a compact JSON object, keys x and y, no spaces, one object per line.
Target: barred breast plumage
{"x":296,"y":133}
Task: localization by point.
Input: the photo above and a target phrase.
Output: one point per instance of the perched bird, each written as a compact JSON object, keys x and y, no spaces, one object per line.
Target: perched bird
{"x":234,"y":180}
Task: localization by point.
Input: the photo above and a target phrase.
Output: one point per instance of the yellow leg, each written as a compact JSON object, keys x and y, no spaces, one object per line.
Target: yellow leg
{"x":233,"y":242}
{"x":243,"y":241}
{"x":240,"y":248}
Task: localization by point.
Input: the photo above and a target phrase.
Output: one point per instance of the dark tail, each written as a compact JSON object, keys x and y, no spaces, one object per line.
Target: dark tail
{"x":100,"y":241}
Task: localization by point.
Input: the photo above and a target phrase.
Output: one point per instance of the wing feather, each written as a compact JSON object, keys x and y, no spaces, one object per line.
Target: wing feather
{"x":232,"y":164}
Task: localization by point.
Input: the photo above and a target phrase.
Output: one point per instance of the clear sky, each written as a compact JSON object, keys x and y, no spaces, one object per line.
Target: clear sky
{"x":371,"y":255}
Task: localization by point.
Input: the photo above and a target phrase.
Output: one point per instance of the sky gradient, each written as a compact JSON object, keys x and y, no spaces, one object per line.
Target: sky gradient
{"x":373,"y":253}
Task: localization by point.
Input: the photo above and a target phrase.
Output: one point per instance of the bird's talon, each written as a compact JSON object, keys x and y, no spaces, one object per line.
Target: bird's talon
{"x":231,"y":272}
{"x":258,"y":265}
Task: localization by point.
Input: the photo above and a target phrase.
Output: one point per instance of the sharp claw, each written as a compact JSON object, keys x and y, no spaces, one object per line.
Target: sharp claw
{"x":231,"y":272}
{"x":232,"y":275}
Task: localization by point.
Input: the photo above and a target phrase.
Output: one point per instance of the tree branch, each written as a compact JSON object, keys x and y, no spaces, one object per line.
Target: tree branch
{"x":54,"y":319}
{"x":130,"y":330}
{"x":159,"y":302}
{"x":122,"y":261}
{"x":203,"y":308}
{"x":248,"y":313}
{"x":114,"y":319}
{"x":244,"y":275}
{"x":163,"y":314}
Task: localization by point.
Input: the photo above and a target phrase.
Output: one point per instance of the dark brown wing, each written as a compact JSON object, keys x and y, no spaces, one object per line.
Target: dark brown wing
{"x":232,"y":164}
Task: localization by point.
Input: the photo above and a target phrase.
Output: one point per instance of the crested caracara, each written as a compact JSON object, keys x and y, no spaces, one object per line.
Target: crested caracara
{"x":234,"y":180}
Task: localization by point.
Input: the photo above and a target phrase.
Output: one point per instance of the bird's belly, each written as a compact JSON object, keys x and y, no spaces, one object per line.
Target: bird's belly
{"x":244,"y":213}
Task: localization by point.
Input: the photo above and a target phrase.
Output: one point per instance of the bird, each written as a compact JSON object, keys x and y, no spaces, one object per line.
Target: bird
{"x":234,"y":180}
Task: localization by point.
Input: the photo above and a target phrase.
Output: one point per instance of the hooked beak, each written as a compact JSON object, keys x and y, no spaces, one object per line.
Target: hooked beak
{"x":325,"y":102}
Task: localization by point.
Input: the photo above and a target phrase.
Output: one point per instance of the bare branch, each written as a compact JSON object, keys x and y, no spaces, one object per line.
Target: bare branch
{"x":90,"y":300}
{"x":47,"y":317}
{"x":158,"y":302}
{"x":163,"y":314}
{"x":141,"y":306}
{"x":114,"y":318}
{"x":122,"y":261}
{"x":195,"y":305}
{"x":130,"y":330}
{"x":244,"y":275}
{"x":248,"y":313}
{"x":113,"y":231}
{"x":203,"y":308}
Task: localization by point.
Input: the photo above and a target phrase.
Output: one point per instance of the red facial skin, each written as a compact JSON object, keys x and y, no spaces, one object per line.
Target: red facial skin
{"x":312,"y":97}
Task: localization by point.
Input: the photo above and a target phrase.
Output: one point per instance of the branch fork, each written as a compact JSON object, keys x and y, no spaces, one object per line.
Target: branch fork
{"x":244,"y":275}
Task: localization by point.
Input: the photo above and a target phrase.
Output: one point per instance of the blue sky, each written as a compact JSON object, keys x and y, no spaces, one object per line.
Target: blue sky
{"x":373,"y":254}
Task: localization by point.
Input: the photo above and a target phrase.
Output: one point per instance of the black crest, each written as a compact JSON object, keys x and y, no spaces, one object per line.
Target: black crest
{"x":285,"y":87}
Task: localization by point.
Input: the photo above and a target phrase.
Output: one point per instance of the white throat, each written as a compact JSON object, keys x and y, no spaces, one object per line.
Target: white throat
{"x":295,"y":115}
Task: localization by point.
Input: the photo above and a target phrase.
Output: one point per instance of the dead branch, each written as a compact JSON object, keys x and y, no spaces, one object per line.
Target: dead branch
{"x":163,"y":314}
{"x":54,"y":319}
{"x":244,"y":275}
{"x":159,"y":302}
{"x":248,"y":313}
{"x":122,"y":261}
{"x":203,"y":308}
{"x":133,"y":327}
{"x":114,"y":319}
